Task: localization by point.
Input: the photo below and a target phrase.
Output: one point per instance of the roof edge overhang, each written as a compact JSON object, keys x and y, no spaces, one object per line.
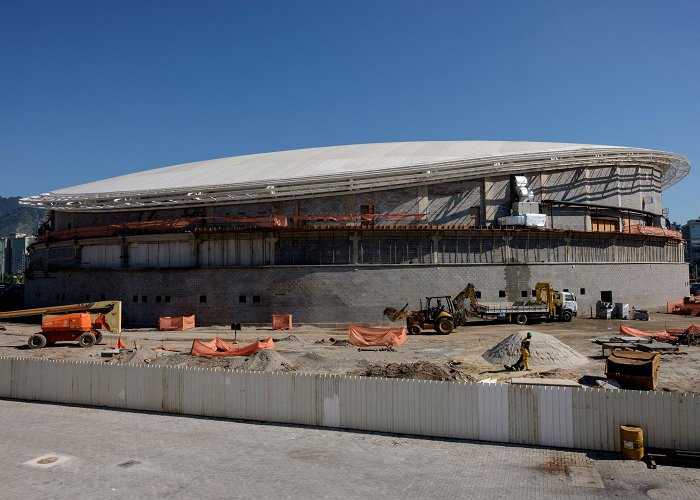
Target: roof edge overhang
{"x":673,"y":167}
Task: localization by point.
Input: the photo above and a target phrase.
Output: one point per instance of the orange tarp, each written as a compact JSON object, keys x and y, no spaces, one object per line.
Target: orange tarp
{"x":365,"y":336}
{"x":166,"y":323}
{"x":219,"y":347}
{"x":659,"y":334}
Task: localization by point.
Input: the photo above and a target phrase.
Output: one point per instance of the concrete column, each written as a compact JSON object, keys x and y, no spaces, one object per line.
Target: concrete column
{"x":355,"y":238}
{"x":124,"y":257}
{"x":423,"y":201}
{"x":567,"y":240}
{"x":270,"y":240}
{"x":435,"y":240}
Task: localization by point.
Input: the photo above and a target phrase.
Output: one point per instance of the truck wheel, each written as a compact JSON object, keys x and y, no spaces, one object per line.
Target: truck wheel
{"x":566,"y":316}
{"x":37,"y":341}
{"x":87,"y":339}
{"x":414,"y":330}
{"x":444,"y":326}
{"x":98,"y":337}
{"x":521,"y":319}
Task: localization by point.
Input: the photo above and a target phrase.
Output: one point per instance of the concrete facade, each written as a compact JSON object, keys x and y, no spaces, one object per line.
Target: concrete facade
{"x":343,"y":293}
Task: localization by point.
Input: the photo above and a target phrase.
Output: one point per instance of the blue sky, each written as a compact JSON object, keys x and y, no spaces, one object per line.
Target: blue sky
{"x":95,"y":89}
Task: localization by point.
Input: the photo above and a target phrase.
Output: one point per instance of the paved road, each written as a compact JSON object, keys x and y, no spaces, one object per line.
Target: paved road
{"x":97,"y":453}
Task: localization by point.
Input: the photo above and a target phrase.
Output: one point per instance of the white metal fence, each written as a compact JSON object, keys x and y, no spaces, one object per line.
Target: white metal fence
{"x":548,"y":416}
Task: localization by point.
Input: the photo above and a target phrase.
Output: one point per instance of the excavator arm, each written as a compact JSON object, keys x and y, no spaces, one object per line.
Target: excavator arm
{"x":459,"y":300}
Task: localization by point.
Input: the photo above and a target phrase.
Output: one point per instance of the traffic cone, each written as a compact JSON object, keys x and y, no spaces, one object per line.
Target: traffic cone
{"x":120,"y":344}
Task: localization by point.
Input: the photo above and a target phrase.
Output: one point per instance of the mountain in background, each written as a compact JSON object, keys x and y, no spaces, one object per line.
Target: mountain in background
{"x":16,"y":218}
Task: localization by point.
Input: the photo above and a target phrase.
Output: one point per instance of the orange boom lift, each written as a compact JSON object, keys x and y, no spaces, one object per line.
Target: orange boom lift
{"x":82,"y":322}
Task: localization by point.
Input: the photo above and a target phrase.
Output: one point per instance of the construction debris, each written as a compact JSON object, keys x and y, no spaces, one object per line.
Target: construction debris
{"x":422,"y":370}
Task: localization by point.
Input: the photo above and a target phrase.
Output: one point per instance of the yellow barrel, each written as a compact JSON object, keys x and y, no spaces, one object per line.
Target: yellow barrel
{"x":632,"y":441}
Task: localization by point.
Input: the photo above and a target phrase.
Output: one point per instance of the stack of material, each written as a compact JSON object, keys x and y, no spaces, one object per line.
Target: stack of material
{"x":544,"y":350}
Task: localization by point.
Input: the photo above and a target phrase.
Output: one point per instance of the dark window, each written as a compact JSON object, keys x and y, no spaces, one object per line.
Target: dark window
{"x":256,"y":299}
{"x":87,"y":297}
{"x":37,"y":295}
{"x":135,"y":298}
{"x":167,"y":298}
{"x":157,"y":298}
{"x":582,"y":291}
{"x":241,"y":299}
{"x":63,"y":296}
{"x":501,"y":293}
{"x":102,"y":296}
{"x":566,"y":289}
{"x":534,"y":293}
{"x":523,"y":293}
{"x":144,"y":298}
{"x":606,"y":296}
{"x":58,"y":296}
{"x":202,"y":298}
{"x":477,"y":294}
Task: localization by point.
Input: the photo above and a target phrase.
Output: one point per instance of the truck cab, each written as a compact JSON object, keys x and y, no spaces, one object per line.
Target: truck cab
{"x":565,"y":301}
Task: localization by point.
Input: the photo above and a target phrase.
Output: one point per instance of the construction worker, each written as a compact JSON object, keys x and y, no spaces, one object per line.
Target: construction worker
{"x":524,"y":362}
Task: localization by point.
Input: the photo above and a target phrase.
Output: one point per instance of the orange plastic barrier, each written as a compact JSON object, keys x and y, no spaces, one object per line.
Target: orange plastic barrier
{"x":365,"y":336}
{"x":281,"y":321}
{"x":659,"y":334}
{"x":219,"y":347}
{"x":167,"y":323}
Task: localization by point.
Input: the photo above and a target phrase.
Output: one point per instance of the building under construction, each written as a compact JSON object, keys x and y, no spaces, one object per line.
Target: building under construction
{"x":333,"y":234}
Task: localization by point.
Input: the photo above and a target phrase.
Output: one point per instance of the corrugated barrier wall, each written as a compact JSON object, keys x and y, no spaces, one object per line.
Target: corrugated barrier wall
{"x":547,"y":416}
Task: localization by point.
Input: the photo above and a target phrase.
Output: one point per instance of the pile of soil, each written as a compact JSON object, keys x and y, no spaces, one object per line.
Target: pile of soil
{"x":267,"y":360}
{"x":422,"y":370}
{"x":544,"y":350}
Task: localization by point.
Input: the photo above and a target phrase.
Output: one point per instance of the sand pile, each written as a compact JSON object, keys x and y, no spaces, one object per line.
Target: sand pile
{"x":267,"y":360}
{"x":544,"y":350}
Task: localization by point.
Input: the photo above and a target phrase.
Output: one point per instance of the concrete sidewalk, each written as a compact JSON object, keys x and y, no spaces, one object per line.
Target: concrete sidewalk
{"x":98,"y":453}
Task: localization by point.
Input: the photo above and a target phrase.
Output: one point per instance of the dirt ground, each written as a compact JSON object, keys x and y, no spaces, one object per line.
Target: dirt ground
{"x":311,"y":349}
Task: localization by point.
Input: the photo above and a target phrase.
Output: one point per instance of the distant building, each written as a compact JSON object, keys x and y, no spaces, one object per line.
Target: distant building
{"x":14,"y":253}
{"x":691,"y":233}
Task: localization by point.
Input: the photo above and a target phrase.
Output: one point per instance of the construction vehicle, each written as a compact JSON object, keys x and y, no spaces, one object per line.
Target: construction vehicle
{"x":441,"y":313}
{"x":80,"y":322}
{"x":445,"y":317}
{"x":549,"y":304}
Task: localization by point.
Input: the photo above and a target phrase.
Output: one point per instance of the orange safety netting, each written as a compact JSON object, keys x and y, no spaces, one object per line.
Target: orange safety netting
{"x":659,"y":334}
{"x":219,"y":347}
{"x":365,"y":336}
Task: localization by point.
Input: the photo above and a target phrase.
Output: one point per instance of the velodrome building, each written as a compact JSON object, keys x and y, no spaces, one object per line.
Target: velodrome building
{"x":335,"y":234}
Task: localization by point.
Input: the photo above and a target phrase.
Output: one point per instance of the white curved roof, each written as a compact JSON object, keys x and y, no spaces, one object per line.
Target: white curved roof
{"x":337,"y":169}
